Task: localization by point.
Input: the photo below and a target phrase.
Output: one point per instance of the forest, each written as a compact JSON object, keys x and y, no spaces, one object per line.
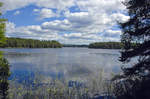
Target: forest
{"x":30,"y":43}
{"x":73,"y":45}
{"x":106,"y":45}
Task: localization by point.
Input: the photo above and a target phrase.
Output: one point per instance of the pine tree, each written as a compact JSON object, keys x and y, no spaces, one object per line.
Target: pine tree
{"x":135,"y":81}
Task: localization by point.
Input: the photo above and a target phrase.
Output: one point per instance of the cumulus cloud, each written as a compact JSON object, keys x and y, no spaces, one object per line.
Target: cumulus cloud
{"x":9,"y":5}
{"x":33,"y":31}
{"x":44,"y":13}
{"x":79,"y":18}
{"x":10,"y":28}
{"x":57,"y":25}
{"x":58,"y":4}
{"x":83,"y":36}
{"x":94,"y":21}
{"x":119,"y":17}
{"x":100,"y":6}
{"x":112,"y":33}
{"x":17,"y":13}
{"x":16,"y":4}
{"x":38,"y":32}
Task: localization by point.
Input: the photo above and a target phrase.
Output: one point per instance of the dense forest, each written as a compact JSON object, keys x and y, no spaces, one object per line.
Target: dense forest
{"x":72,"y":45}
{"x":30,"y":43}
{"x":106,"y":45}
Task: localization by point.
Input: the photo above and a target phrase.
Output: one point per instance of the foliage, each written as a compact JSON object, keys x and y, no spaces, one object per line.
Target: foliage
{"x":134,"y":82}
{"x":31,"y":43}
{"x":72,"y":45}
{"x":2,"y":29}
{"x":4,"y":74}
{"x":4,"y":65}
{"x":106,"y":45}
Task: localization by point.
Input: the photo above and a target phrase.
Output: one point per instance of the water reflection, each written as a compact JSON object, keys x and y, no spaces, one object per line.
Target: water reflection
{"x":61,"y":63}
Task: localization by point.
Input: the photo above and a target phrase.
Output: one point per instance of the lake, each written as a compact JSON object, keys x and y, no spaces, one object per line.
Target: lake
{"x":66,"y":62}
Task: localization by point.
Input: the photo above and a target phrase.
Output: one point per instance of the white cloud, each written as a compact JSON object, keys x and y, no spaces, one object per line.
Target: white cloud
{"x":74,"y":35}
{"x":59,"y":4}
{"x":79,"y":19}
{"x":102,"y":6}
{"x":36,"y":10}
{"x":17,"y":13}
{"x":33,"y":31}
{"x":9,"y":5}
{"x":16,"y":4}
{"x":83,"y":36}
{"x":37,"y":32}
{"x":111,"y":34}
{"x":10,"y":28}
{"x":119,"y":17}
{"x":57,"y":25}
{"x":94,"y":20}
{"x":44,"y":13}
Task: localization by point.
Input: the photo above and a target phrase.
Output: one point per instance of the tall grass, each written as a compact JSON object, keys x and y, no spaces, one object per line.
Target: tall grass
{"x":48,"y":88}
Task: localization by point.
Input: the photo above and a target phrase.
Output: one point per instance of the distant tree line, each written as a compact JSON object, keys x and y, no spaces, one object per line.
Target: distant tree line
{"x":72,"y":45}
{"x":106,"y":45}
{"x":30,"y":43}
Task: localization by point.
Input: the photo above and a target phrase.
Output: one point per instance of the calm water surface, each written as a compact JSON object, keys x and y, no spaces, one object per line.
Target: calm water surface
{"x":61,"y":63}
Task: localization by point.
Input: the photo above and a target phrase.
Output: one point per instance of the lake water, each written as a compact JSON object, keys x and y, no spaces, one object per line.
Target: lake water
{"x":61,"y":63}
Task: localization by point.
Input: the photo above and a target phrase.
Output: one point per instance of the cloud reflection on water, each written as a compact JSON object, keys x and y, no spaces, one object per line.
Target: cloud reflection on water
{"x":63,"y":63}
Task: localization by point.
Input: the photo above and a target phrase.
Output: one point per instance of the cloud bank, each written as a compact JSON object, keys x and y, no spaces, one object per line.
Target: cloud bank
{"x":83,"y":21}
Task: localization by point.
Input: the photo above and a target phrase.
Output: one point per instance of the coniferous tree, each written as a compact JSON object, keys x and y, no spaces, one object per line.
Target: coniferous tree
{"x":135,"y":80}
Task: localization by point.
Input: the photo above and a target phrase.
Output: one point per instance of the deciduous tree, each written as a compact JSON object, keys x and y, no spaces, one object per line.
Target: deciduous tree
{"x":4,"y":65}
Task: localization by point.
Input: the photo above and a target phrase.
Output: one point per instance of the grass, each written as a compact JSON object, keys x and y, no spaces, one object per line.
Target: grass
{"x":47,"y":88}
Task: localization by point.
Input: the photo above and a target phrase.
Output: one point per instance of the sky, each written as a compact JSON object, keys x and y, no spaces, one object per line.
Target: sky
{"x":67,"y":21}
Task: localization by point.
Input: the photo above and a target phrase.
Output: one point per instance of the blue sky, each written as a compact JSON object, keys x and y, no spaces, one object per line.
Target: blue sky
{"x":67,"y":21}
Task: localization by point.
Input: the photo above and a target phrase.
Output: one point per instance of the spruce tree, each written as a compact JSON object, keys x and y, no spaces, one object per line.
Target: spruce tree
{"x":135,"y":80}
